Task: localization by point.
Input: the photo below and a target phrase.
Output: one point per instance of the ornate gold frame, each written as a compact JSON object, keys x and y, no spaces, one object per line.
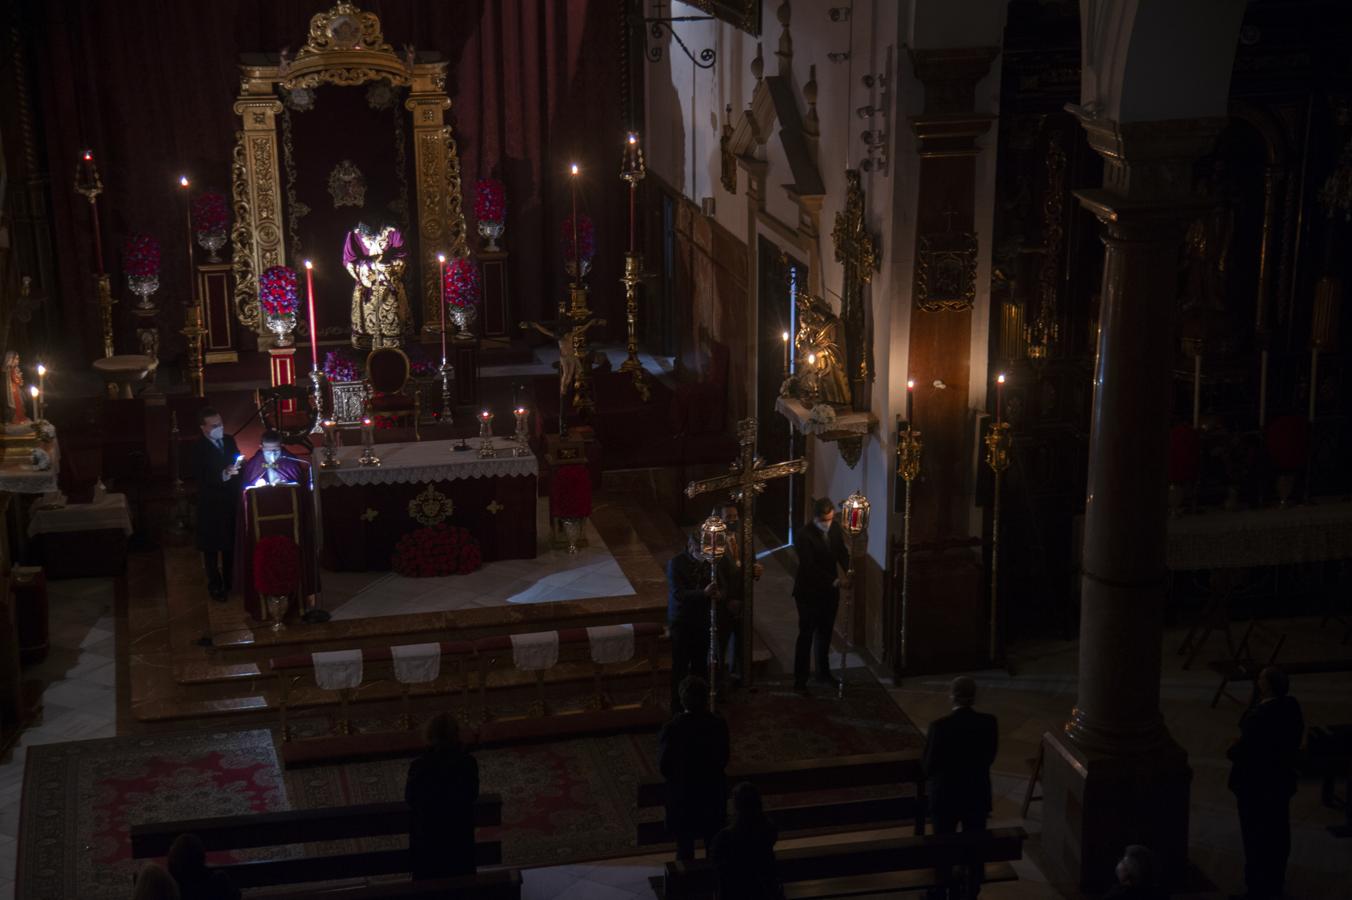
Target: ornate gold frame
{"x":345,"y":46}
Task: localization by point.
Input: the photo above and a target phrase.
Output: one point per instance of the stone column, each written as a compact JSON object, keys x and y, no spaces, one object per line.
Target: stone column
{"x":1114,"y":775}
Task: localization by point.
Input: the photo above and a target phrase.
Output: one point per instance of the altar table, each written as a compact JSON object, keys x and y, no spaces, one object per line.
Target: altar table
{"x":365,"y":510}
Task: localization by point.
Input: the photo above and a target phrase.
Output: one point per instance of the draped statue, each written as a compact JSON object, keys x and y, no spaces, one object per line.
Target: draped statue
{"x":818,"y":328}
{"x":374,"y":256}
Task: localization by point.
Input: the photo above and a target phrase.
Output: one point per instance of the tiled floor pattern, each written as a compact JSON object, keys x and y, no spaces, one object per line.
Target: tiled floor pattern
{"x":553,"y":575}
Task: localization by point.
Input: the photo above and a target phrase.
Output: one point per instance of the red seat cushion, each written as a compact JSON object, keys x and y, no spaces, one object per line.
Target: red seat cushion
{"x":570,"y":492}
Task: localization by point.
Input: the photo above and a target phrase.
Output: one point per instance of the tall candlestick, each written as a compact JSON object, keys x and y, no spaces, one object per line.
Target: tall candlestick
{"x":910,"y":395}
{"x":1197,"y":391}
{"x":187,"y":218}
{"x":1262,"y":388}
{"x":37,"y":408}
{"x":441,"y":279}
{"x":577,"y":255}
{"x":785,"y":337}
{"x":314,"y":329}
{"x":92,"y":187}
{"x":42,"y":384}
{"x":999,"y":392}
{"x":633,"y":189}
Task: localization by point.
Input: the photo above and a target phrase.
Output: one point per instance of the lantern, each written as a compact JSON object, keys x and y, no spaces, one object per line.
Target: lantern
{"x":854,"y":512}
{"x":713,"y":539}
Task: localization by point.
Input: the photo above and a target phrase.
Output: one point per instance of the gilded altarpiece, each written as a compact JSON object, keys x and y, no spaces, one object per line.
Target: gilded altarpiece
{"x":345,"y":48}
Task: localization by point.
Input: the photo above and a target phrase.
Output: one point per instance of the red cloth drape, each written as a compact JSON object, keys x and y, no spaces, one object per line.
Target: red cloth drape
{"x":149,"y":87}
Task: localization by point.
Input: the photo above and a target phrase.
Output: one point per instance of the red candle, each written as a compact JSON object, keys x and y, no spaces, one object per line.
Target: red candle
{"x":310,"y":297}
{"x":441,"y":269}
{"x":633,"y":189}
{"x":90,"y":176}
{"x":910,"y":394}
{"x":187,"y":217}
{"x":999,"y":393}
{"x":577,"y":255}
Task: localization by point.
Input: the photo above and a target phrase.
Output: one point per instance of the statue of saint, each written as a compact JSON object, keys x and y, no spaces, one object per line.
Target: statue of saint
{"x":15,"y":413}
{"x":374,"y":256}
{"x":1206,"y":246}
{"x":817,"y":329}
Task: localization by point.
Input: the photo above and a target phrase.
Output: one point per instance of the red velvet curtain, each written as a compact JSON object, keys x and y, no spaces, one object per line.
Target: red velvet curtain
{"x":149,"y":86}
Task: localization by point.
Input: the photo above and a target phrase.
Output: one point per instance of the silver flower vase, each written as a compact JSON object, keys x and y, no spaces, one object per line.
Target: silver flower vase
{"x":490,"y":232}
{"x":282,"y":328}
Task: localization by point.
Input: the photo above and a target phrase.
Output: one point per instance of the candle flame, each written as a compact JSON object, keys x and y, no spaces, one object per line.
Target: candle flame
{"x":521,"y":410}
{"x":785,"y":337}
{"x":1000,"y":379}
{"x":33,"y":389}
{"x":633,"y":138}
{"x":812,"y":359}
{"x":441,"y":257}
{"x":309,"y":265}
{"x":910,"y":384}
{"x":89,"y":155}
{"x":366,"y":421}
{"x":183,"y":180}
{"x":573,"y":168}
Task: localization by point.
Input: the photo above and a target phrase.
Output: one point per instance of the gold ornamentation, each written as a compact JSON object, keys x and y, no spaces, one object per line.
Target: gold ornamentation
{"x":857,"y":252}
{"x":345,"y":47}
{"x":945,"y":271}
{"x":347,"y":185}
{"x":495,"y":507}
{"x":1045,"y":328}
{"x":431,"y":507}
{"x":370,"y":515}
{"x":241,"y":236}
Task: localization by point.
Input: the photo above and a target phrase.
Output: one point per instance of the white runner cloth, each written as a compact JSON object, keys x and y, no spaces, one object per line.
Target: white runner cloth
{"x":102,"y":515}
{"x":532,"y":652}
{"x":611,"y":643}
{"x":426,"y":461}
{"x":416,"y":663}
{"x":337,"y":669}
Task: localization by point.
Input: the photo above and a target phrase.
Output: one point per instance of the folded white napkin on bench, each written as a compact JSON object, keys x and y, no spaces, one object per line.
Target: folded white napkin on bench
{"x":532,"y":652}
{"x":336,"y":670}
{"x":611,"y":643}
{"x":416,"y":663}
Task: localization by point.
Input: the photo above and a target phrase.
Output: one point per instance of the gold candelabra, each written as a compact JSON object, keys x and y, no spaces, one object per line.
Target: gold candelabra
{"x":104,"y":287}
{"x":998,"y":442}
{"x":909,"y":447}
{"x":632,"y":171}
{"x":194,"y":331}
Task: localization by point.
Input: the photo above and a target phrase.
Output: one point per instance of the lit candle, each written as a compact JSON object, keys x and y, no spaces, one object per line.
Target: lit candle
{"x":441,"y":268}
{"x":90,"y":178}
{"x":37,"y":409}
{"x":314,"y":329}
{"x":910,"y":395}
{"x":812,"y":359}
{"x":42,"y":382}
{"x":187,"y":218}
{"x":633,"y":189}
{"x":577,"y":256}
{"x":999,"y":392}
{"x":784,"y":336}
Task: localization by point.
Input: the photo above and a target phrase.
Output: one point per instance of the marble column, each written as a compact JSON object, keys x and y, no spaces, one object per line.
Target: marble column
{"x":1114,"y":775}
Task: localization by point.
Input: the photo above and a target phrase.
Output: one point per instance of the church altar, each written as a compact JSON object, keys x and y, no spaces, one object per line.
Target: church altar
{"x":367,"y":509}
{"x":18,"y":475}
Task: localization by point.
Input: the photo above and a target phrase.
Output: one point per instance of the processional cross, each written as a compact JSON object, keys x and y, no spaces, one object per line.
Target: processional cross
{"x":746,"y":478}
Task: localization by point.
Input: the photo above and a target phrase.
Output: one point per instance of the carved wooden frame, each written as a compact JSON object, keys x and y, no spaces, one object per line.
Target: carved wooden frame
{"x":345,"y":47}
{"x":745,"y":15}
{"x":935,"y":251}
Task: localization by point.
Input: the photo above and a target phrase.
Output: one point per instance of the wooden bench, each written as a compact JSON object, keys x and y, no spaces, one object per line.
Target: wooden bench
{"x":1257,"y":650}
{"x":891,"y":805}
{"x":837,"y":870}
{"x":499,"y":884}
{"x":298,"y":826}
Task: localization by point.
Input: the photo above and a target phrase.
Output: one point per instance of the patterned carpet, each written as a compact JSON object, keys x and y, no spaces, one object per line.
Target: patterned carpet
{"x":569,"y":801}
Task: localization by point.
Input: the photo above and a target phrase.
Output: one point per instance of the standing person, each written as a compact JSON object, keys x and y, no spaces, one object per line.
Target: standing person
{"x":690,"y":591}
{"x":822,"y":560}
{"x":443,"y":785}
{"x":959,"y":751}
{"x":187,"y":862}
{"x":215,"y":464}
{"x":1135,"y":876}
{"x":1263,"y":779}
{"x":744,"y":852}
{"x":692,"y":752}
{"x":730,"y":593}
{"x":270,"y":466}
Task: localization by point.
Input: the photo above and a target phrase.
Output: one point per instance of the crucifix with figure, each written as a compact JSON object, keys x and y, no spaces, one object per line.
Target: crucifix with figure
{"x":746,"y":478}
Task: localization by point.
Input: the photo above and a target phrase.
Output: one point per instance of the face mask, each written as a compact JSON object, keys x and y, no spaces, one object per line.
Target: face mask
{"x":271,"y":455}
{"x":218,"y":432}
{"x":824,"y":526}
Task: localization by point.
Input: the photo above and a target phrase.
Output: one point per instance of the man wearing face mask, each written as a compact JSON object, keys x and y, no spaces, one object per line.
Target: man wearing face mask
{"x":822,"y":562}
{"x":271,"y":466}
{"x":215,"y":464}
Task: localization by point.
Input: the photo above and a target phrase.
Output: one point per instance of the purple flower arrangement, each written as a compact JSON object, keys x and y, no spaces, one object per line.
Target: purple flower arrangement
{"x":462,"y":283}
{"x":340,"y":366}
{"x":209,"y":212}
{"x":277,"y":291}
{"x":490,"y":200}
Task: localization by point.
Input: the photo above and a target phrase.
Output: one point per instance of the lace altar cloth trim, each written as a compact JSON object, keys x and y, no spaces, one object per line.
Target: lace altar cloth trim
{"x":427,"y":462}
{"x":337,"y":669}
{"x":416,"y":663}
{"x":611,"y":643}
{"x":532,"y":652}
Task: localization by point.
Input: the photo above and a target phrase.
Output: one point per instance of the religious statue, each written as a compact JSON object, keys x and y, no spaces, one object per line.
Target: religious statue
{"x":374,"y":256}
{"x":817,"y":330}
{"x":1206,"y":247}
{"x":570,"y":366}
{"x":277,"y":500}
{"x":15,"y":412}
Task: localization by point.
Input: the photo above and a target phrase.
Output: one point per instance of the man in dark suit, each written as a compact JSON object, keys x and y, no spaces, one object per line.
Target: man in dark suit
{"x":442,"y":787}
{"x":215,"y":464}
{"x":822,"y":562}
{"x":690,"y":590}
{"x":692,"y":753}
{"x":959,"y":750}
{"x":728,"y":574}
{"x":1263,"y":779}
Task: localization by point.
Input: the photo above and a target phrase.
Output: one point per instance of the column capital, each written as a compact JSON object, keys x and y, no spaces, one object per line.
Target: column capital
{"x":1147,"y":164}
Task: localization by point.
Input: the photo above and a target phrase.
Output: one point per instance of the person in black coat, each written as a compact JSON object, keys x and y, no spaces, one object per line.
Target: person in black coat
{"x":442,"y":787}
{"x":744,"y":852}
{"x":215,"y":465}
{"x":692,"y":752}
{"x":822,"y":562}
{"x":959,"y":751}
{"x":1135,"y":876}
{"x":728,"y":574}
{"x":1263,"y":779}
{"x":187,"y":862}
{"x":690,"y":591}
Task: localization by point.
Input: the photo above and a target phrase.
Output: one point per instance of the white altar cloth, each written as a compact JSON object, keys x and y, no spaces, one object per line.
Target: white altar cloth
{"x":426,"y":461}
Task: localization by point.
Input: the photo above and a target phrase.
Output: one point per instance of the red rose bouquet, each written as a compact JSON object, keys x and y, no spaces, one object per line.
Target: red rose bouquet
{"x":276,"y":566}
{"x":435,"y":551}
{"x":462,"y":283}
{"x":141,"y":256}
{"x":386,"y":423}
{"x":585,"y":245}
{"x":277,"y":291}
{"x":1185,"y":453}
{"x":490,"y":200}
{"x":210,"y":213}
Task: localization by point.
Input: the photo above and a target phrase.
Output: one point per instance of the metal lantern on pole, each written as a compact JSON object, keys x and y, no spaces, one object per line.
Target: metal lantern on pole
{"x":713,"y":544}
{"x":854,"y":513}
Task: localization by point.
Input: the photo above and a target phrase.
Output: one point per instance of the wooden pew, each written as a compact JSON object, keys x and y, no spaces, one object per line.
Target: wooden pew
{"x":305,"y":826}
{"x":499,"y":884}
{"x":837,"y":870}
{"x":899,"y":776}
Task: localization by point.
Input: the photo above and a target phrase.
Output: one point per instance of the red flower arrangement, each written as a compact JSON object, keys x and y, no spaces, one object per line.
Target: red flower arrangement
{"x":386,"y":423}
{"x":1185,"y":453}
{"x":339,"y":365}
{"x":141,"y":254}
{"x":570,"y":492}
{"x":462,"y":283}
{"x":490,"y":200}
{"x":276,"y":565}
{"x":586,"y":238}
{"x":435,"y":551}
{"x":277,"y":291}
{"x":209,"y":212}
{"x":1288,"y":442}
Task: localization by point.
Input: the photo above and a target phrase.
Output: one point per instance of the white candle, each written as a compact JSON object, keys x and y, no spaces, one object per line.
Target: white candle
{"x":37,"y":409}
{"x":1196,"y":390}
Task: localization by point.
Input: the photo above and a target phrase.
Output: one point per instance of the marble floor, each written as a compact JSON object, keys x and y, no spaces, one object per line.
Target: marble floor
{"x":553,"y":575}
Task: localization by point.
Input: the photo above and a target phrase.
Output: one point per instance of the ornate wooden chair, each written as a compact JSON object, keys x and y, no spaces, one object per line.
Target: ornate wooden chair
{"x":390,"y":390}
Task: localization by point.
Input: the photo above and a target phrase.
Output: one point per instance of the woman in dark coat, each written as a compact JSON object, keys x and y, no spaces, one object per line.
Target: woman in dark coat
{"x":744,"y":852}
{"x":443,"y":785}
{"x":692,"y":752}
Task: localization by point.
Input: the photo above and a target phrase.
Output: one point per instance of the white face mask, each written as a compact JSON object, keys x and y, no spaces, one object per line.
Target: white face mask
{"x":218,"y":432}
{"x":271,"y":455}
{"x":824,"y":526}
